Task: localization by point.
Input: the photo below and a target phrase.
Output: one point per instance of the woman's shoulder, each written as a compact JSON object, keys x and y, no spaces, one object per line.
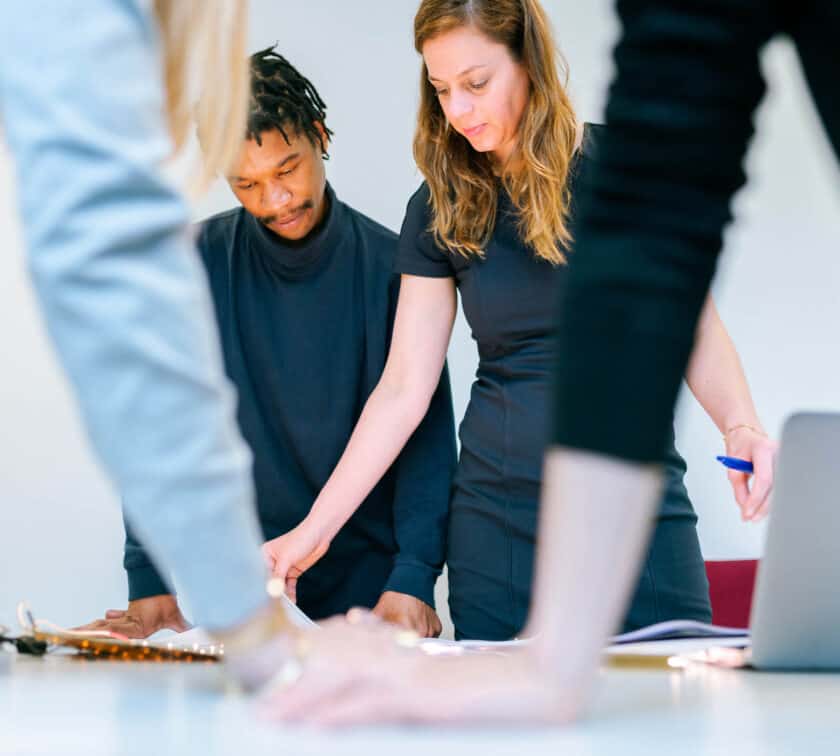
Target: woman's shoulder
{"x":419,"y":253}
{"x":418,"y":212}
{"x":418,"y":203}
{"x":593,"y":136}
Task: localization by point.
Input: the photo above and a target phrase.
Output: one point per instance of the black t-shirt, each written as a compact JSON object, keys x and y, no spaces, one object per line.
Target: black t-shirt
{"x":509,"y":298}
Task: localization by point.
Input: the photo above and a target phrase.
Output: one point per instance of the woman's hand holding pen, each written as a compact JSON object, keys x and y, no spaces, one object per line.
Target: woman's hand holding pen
{"x":750,"y":444}
{"x":292,"y":553}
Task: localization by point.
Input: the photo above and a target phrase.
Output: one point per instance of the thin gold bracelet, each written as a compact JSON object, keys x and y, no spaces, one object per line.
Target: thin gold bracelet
{"x":743,"y":425}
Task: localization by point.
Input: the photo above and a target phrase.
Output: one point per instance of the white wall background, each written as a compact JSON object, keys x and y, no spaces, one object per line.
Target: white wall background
{"x":60,"y":530}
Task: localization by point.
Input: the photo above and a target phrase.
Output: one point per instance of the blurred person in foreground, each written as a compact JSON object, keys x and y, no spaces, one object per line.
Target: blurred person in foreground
{"x":91,"y":109}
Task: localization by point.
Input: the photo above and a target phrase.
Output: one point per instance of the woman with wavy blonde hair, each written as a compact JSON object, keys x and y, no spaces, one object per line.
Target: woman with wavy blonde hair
{"x":465,"y":180}
{"x":502,"y":154}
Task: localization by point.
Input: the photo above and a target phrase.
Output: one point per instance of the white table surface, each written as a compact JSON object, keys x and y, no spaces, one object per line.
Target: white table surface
{"x":67,"y":707}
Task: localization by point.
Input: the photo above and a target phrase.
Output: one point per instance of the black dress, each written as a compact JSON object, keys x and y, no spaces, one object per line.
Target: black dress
{"x":509,"y":298}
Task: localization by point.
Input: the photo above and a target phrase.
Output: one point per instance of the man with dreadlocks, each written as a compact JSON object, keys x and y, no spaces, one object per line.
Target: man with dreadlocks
{"x":305,"y":300}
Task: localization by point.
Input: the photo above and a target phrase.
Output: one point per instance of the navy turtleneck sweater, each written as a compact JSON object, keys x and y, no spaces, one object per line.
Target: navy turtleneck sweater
{"x":305,"y":329}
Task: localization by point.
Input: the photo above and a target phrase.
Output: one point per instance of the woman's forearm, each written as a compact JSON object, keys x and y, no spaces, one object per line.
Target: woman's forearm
{"x":717,"y":380}
{"x":716,"y":377}
{"x":391,"y":414}
{"x":422,"y":327}
{"x":596,"y":517}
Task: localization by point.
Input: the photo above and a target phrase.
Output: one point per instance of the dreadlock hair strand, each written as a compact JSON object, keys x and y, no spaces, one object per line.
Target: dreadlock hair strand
{"x":282,"y":99}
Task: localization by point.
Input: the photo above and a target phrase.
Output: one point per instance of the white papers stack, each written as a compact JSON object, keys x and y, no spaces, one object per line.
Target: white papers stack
{"x":676,"y":629}
{"x":683,"y":635}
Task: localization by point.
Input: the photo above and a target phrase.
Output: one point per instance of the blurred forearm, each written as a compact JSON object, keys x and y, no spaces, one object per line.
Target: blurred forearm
{"x":596,"y":516}
{"x":123,"y":296}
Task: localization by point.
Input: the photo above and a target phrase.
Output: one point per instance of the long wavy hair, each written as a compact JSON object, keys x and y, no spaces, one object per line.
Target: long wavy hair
{"x":463,"y":184}
{"x":205,"y":75}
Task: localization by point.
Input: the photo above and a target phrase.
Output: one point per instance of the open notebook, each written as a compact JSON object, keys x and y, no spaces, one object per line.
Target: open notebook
{"x":679,"y":629}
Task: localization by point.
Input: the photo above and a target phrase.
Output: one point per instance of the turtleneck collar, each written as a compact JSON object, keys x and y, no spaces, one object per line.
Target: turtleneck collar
{"x":306,"y":257}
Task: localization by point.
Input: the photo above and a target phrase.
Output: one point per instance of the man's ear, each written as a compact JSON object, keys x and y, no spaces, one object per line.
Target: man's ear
{"x":325,"y":139}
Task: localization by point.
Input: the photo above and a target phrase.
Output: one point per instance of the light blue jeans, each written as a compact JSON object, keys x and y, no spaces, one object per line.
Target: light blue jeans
{"x":124,"y":298}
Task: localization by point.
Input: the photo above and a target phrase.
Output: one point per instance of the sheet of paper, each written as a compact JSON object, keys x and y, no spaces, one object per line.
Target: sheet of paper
{"x":675,"y":647}
{"x":296,"y":614}
{"x":443,"y":647}
{"x":674,"y":629}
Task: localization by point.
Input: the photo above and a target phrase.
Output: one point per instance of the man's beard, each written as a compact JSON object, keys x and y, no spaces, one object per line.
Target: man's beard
{"x":267,"y":220}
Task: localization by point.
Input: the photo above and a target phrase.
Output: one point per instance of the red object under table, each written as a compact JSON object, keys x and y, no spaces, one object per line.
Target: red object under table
{"x":731,"y":584}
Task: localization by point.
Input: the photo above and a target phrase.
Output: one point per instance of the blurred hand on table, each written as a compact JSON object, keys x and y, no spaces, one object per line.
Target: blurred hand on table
{"x":364,"y":671}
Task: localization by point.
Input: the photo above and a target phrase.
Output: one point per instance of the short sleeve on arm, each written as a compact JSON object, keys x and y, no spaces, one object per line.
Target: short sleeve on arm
{"x":418,"y":254}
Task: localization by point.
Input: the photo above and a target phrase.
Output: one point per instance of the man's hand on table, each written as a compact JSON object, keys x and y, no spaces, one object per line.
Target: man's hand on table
{"x":408,"y":612}
{"x":143,"y":618}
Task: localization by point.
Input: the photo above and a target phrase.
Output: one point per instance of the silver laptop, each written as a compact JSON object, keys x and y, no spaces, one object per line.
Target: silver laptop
{"x":795,"y":622}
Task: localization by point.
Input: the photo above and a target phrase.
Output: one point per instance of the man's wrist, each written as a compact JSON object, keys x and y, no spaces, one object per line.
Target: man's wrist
{"x":413,"y":579}
{"x":155,"y":611}
{"x":145,"y":582}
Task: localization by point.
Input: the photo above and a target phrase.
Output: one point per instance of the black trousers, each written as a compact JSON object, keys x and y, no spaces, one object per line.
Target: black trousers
{"x":339,"y":586}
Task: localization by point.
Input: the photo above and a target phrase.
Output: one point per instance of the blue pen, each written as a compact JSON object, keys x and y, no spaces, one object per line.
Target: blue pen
{"x":734,"y":463}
